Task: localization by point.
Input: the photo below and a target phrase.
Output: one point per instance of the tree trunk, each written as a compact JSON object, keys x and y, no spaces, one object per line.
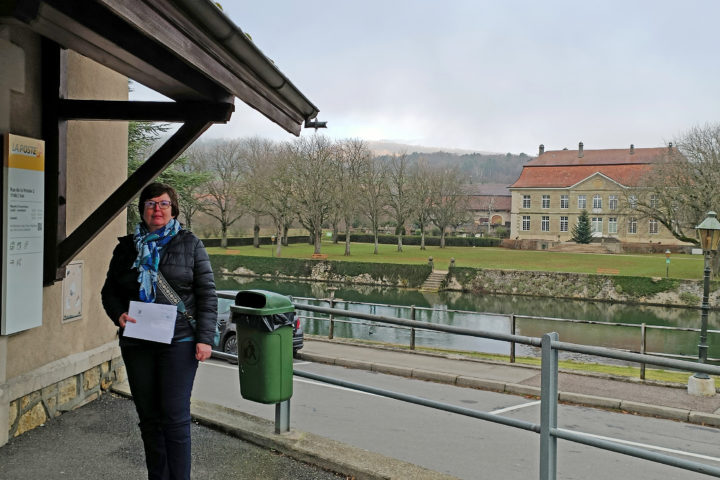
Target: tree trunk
{"x":278,"y":241}
{"x":285,"y":231}
{"x":335,"y":231}
{"x":375,"y":233}
{"x":399,"y":244}
{"x":256,"y":232}
{"x":442,"y":238}
{"x":318,"y":239}
{"x":223,"y":236}
{"x":347,"y":238}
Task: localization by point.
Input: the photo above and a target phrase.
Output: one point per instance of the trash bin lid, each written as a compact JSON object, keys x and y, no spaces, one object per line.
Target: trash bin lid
{"x":261,"y":302}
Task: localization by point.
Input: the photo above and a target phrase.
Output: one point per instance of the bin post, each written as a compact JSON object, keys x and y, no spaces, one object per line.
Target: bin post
{"x":282,"y":417}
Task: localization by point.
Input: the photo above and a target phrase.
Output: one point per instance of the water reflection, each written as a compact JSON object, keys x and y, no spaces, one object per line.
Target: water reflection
{"x":443,"y":303}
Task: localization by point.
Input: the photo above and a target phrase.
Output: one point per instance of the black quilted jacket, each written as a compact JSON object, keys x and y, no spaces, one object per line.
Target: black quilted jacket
{"x":186,"y":267}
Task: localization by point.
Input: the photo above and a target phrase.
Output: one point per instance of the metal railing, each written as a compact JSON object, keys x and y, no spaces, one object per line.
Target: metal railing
{"x":547,"y":428}
{"x":644,"y":328}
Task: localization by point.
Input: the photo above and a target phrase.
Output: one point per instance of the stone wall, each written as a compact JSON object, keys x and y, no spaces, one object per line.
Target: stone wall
{"x":651,"y":291}
{"x":35,"y":408}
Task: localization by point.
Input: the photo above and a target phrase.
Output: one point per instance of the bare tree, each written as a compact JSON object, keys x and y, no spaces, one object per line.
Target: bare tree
{"x":353,"y":158}
{"x":224,"y":190}
{"x":420,"y":181}
{"x":272,"y":186}
{"x":683,"y":186}
{"x":258,"y":153}
{"x":311,"y":163}
{"x":400,"y":200}
{"x":373,"y":194}
{"x":449,"y":202}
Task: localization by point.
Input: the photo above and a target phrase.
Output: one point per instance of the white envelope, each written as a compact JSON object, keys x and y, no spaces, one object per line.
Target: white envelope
{"x":155,"y":321}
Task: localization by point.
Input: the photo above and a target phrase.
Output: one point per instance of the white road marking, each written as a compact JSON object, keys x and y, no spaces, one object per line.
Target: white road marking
{"x":337,"y":387}
{"x":650,"y":447}
{"x":516,"y":407}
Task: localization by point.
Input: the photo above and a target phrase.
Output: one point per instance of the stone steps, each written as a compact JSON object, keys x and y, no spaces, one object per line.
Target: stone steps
{"x":434,"y":282}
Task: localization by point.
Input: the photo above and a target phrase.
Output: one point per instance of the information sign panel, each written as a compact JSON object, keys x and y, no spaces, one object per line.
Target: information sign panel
{"x":22,"y":234}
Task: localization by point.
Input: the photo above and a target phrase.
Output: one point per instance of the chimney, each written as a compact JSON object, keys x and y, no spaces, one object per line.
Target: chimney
{"x":541,"y":150}
{"x":632,"y":149}
{"x":580,"y":150}
{"x":669,"y":146}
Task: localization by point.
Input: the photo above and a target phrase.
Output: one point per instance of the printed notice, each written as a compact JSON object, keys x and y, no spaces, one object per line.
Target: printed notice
{"x":155,"y":322}
{"x":23,"y":226}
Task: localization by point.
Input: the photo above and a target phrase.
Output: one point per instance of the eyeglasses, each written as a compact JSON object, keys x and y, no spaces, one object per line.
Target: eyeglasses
{"x":163,"y":204}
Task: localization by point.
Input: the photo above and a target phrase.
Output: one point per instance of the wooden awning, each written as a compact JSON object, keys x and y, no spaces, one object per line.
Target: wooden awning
{"x":187,"y":50}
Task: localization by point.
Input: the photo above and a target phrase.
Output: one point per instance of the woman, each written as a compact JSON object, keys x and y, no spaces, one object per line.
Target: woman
{"x":161,"y":375}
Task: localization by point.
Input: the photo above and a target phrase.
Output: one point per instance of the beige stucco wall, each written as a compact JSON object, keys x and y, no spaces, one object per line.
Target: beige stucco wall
{"x":595,"y":185}
{"x":96,"y":165}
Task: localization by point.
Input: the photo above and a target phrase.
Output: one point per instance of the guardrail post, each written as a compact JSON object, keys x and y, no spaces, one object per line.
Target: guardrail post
{"x":331,"y":333}
{"x":548,"y":407}
{"x":512,"y":344}
{"x":282,"y":417}
{"x":643,"y":342}
{"x":412,"y":330}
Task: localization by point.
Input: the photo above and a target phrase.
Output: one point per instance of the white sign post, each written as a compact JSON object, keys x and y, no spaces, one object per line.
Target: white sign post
{"x":22,"y":234}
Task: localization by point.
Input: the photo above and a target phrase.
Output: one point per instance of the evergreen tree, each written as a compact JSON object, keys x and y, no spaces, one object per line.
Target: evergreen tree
{"x":581,"y":232}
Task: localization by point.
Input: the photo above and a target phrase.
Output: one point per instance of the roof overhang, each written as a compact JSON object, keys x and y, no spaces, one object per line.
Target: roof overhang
{"x":187,"y":50}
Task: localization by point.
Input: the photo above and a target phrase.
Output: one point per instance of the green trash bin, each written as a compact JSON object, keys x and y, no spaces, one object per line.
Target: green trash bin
{"x":264,"y":332}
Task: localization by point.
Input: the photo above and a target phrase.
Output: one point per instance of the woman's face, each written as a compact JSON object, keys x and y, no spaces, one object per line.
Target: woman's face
{"x":157,"y":212}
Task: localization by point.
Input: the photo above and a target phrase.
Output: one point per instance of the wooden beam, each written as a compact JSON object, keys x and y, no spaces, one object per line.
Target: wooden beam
{"x":54,"y":132}
{"x":216,"y":112}
{"x":122,"y":196}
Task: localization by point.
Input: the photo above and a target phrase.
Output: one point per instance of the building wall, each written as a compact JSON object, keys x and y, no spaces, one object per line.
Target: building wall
{"x":595,"y":185}
{"x":63,"y":364}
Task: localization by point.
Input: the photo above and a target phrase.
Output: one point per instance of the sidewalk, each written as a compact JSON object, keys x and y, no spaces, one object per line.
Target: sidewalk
{"x":626,"y":394}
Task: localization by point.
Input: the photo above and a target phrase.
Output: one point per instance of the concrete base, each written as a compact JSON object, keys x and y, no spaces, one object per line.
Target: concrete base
{"x":701,"y":387}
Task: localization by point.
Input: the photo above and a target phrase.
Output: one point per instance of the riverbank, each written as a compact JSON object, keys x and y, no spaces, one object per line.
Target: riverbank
{"x":577,"y":286}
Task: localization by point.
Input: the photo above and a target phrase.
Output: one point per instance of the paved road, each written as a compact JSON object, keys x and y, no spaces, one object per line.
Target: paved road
{"x":462,"y":446}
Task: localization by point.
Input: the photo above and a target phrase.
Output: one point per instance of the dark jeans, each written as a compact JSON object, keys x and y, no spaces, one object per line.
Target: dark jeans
{"x":161,"y":378}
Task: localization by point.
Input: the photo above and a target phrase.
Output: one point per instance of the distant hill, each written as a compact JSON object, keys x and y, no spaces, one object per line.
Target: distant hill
{"x":383,"y":147}
{"x":501,"y":168}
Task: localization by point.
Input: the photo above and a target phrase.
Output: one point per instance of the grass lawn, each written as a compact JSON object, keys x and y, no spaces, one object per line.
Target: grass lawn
{"x":650,"y":265}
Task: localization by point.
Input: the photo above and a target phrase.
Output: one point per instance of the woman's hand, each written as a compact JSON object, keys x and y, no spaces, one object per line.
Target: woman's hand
{"x":202,"y":351}
{"x":124,"y":319}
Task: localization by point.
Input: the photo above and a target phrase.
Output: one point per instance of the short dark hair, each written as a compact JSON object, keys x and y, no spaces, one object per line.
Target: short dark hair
{"x":155,"y":190}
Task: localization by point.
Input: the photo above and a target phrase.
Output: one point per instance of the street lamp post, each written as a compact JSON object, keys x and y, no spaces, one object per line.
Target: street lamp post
{"x":709,"y":232}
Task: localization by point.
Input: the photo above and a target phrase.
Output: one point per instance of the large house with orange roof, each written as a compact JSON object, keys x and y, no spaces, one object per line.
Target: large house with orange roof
{"x":555,"y":187}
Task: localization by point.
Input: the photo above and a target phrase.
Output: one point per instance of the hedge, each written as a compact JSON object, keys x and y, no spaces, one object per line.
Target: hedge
{"x":246,"y":241}
{"x":429,"y":241}
{"x":395,"y":274}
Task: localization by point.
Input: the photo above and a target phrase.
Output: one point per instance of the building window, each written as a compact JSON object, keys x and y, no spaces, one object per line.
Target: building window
{"x":564,"y":201}
{"x":582,"y":202}
{"x":612,"y":225}
{"x":596,"y":225}
{"x":546,"y":201}
{"x":632,"y":201}
{"x":526,"y":201}
{"x":545,"y":224}
{"x":563,"y":224}
{"x":526,"y":223}
{"x":632,"y":225}
{"x":653,"y":202}
{"x":653,"y":227}
{"x":613,"y":202}
{"x":597,"y":202}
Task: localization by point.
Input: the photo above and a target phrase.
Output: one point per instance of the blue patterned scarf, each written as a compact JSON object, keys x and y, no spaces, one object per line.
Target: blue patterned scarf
{"x":149,"y":246}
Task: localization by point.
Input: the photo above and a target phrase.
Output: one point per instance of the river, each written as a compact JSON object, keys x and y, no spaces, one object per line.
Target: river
{"x":459,"y":309}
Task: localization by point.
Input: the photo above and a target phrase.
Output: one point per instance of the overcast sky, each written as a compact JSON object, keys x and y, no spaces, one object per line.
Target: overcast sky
{"x":501,"y":76}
